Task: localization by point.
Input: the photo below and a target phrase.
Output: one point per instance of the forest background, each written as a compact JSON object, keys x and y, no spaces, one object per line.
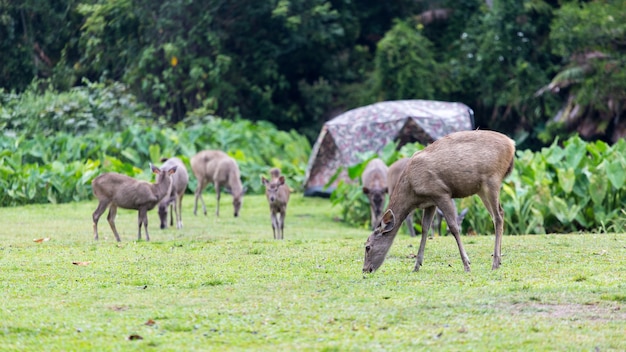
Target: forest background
{"x":532,"y":69}
{"x":88,"y":87}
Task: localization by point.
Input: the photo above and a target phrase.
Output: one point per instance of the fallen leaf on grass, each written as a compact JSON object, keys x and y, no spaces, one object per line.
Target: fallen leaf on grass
{"x":81,"y":263}
{"x":150,"y":322}
{"x":39,"y":240}
{"x":134,"y":337}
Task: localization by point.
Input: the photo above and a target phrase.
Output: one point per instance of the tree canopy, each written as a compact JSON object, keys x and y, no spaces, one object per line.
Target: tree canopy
{"x":534,"y":69}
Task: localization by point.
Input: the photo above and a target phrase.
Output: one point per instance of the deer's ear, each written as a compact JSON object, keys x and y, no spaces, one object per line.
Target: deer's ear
{"x":172,"y":170}
{"x":263,"y":180}
{"x":388,"y":221}
{"x":281,"y":180}
{"x":155,"y":169}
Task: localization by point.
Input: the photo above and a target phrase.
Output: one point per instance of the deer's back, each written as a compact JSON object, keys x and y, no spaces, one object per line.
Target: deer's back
{"x":202,"y":161}
{"x":226,"y":172}
{"x":461,"y":163}
{"x":124,"y":191}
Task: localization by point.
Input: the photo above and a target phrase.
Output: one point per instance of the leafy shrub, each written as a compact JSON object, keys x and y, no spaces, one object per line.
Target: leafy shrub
{"x":577,"y":187}
{"x":53,"y":144}
{"x":60,"y":168}
{"x":77,"y":111}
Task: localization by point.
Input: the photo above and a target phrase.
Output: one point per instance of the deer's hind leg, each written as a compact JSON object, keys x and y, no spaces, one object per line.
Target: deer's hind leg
{"x":143,"y":219}
{"x":218,"y":194}
{"x":448,"y":208}
{"x":490,"y":195}
{"x":427,"y":220}
{"x":102,"y":206}
{"x":199,"y":189}
{"x":111,"y":219}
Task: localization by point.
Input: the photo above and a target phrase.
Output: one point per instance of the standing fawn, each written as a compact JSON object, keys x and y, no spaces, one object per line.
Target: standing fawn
{"x":174,"y":200}
{"x":215,"y":166}
{"x":277,"y":194}
{"x":374,"y":180}
{"x":125,"y":192}
{"x":456,"y":166}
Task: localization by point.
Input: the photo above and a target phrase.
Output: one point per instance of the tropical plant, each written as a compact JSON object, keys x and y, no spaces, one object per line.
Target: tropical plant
{"x":578,"y":186}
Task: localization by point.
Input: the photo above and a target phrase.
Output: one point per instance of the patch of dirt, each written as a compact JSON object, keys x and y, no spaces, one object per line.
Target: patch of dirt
{"x":571,"y":311}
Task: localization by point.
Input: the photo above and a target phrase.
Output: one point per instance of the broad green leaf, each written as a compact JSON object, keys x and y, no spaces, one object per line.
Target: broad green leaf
{"x":355,"y":171}
{"x":554,"y":154}
{"x":563,"y":212}
{"x":598,"y":186}
{"x":131,"y":155}
{"x":567,"y":178}
{"x":575,"y":150}
{"x":616,"y":174}
{"x":597,"y":149}
{"x":155,"y":153}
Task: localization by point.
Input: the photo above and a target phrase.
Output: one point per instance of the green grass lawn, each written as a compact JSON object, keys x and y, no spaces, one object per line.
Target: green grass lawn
{"x":225,"y":284}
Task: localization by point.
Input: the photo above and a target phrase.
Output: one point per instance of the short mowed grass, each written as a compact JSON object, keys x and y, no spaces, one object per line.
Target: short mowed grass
{"x":225,"y":284}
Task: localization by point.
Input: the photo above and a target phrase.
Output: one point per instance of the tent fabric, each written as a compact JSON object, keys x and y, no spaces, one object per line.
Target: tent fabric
{"x":371,"y":127}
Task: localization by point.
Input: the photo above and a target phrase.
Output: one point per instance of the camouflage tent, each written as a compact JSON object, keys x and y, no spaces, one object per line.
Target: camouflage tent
{"x":371,"y":127}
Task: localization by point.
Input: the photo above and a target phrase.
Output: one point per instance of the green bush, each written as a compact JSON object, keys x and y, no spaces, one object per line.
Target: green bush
{"x":78,"y":111}
{"x":60,"y":168}
{"x":577,"y":187}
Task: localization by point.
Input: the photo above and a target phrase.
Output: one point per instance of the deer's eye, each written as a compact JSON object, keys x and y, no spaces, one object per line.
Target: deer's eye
{"x":367,"y":248}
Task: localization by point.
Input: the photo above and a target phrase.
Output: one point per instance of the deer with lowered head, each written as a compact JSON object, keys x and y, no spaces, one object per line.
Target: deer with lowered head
{"x":374,"y":181}
{"x":393,"y":175}
{"x":174,"y":201}
{"x":116,"y":190}
{"x":458,"y":165}
{"x":277,"y":194}
{"x":215,"y":166}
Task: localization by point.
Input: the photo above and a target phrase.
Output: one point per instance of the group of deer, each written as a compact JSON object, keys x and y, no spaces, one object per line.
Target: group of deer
{"x":458,"y":165}
{"x":215,"y":167}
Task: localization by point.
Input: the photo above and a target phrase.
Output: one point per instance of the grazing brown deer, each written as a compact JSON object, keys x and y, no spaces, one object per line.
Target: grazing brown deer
{"x":126,"y":192}
{"x":277,"y":194}
{"x":174,"y":201}
{"x":215,"y":166}
{"x":456,"y":166}
{"x":374,"y":180}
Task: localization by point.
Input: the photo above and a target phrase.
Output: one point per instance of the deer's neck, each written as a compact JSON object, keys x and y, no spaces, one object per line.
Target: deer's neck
{"x":402,"y":202}
{"x":164,"y":186}
{"x":234,"y":183}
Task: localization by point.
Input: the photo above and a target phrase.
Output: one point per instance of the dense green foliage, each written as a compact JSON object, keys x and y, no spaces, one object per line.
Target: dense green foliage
{"x":59,"y":168}
{"x":579,"y":186}
{"x":54,"y":144}
{"x":82,"y":109}
{"x":534,"y":69}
